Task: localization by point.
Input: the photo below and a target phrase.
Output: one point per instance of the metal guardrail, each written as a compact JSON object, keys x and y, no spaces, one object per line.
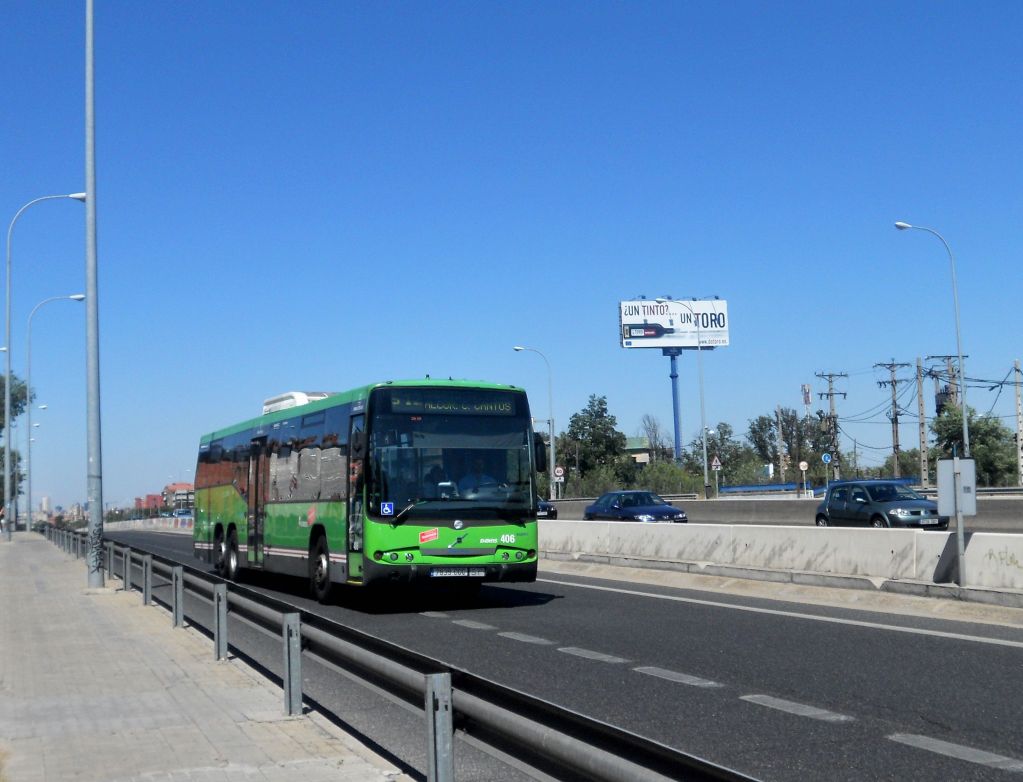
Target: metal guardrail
{"x":555,"y":741}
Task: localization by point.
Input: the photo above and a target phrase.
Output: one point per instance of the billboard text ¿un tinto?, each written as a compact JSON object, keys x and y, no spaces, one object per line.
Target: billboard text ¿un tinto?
{"x":673,"y":323}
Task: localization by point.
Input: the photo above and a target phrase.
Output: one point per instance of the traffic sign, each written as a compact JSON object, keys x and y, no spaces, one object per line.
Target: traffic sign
{"x":826,"y":458}
{"x":716,"y":464}
{"x":804,"y":466}
{"x":559,"y":471}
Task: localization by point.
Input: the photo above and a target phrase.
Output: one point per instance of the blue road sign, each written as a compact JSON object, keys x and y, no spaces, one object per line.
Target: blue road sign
{"x":826,"y":458}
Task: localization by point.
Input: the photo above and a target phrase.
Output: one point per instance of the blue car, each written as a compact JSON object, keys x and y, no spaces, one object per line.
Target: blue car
{"x":546,"y":510}
{"x":634,"y":506}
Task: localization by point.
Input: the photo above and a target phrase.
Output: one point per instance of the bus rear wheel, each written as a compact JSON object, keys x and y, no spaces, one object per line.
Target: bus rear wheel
{"x":319,"y":571}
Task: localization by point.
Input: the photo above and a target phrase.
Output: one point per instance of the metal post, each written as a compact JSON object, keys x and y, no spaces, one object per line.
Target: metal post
{"x":925,"y":468}
{"x":1019,"y":425}
{"x":177,"y":595}
{"x":126,"y":574}
{"x":147,"y":579}
{"x":291,"y":632}
{"x":220,"y":620}
{"x":110,"y":557}
{"x":95,"y":451}
{"x":28,"y":385}
{"x":440,"y":760}
{"x":957,"y":484}
{"x":550,"y":406}
{"x":672,"y":353}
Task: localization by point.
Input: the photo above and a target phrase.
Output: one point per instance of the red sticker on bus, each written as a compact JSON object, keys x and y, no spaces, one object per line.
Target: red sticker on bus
{"x":429,"y":534}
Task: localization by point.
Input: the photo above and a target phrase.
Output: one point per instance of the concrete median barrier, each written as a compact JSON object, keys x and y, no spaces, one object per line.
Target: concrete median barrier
{"x":993,"y":560}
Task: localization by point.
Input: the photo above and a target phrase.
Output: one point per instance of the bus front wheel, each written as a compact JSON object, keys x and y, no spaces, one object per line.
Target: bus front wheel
{"x":319,"y":571}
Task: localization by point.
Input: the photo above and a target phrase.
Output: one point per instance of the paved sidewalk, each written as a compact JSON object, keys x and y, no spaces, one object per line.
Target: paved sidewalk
{"x":96,"y":686}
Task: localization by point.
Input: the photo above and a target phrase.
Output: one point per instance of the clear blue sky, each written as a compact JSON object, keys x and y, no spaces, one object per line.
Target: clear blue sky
{"x":314,"y":195}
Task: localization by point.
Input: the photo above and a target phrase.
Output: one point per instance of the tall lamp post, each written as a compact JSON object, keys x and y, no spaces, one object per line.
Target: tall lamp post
{"x":960,"y":532}
{"x":7,"y":372}
{"x":550,"y":419}
{"x":28,"y":386}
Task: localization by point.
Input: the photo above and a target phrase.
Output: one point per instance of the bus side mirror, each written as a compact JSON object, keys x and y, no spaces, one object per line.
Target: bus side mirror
{"x":540,"y":453}
{"x":358,"y":444}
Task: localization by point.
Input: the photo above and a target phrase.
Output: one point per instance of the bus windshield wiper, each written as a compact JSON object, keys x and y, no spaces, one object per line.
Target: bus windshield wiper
{"x":397,"y":516}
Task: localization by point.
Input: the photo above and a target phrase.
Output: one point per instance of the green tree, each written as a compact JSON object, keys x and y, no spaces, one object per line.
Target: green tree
{"x":19,"y":398}
{"x":592,"y":439}
{"x":991,"y":444}
{"x":909,"y":464}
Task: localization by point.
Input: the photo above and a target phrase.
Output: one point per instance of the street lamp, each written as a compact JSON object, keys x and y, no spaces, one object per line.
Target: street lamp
{"x":960,"y":532}
{"x":28,"y":387}
{"x":959,"y":343}
{"x":550,"y":420}
{"x":7,"y":331}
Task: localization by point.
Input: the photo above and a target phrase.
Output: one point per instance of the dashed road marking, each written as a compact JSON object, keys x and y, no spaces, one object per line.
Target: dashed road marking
{"x":799,"y":709}
{"x":675,"y":676}
{"x":958,"y":751}
{"x":434,"y":614}
{"x":472,"y":625}
{"x":529,"y":639}
{"x":591,"y":655}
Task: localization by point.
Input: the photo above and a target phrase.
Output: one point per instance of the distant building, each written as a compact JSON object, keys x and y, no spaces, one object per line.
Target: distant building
{"x":638,"y":448}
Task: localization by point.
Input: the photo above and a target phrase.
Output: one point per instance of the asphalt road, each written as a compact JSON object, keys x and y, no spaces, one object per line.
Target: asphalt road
{"x":822,"y":685}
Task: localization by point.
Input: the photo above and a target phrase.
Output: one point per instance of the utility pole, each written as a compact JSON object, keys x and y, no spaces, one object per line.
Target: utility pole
{"x":953,"y":377}
{"x":1019,"y":425}
{"x":925,"y":468}
{"x":836,"y":457}
{"x":894,"y":415}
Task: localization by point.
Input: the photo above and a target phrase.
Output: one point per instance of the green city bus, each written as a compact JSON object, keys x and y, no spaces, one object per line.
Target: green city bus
{"x":390,"y":483}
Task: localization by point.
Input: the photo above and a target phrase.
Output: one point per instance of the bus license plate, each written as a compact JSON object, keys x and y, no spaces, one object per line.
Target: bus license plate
{"x":457,"y":572}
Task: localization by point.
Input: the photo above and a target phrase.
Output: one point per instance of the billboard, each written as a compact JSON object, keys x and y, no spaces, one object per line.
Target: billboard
{"x":673,"y":323}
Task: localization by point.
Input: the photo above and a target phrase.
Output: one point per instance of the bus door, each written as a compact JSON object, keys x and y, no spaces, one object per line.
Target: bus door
{"x":259,"y":465}
{"x":357,"y":448}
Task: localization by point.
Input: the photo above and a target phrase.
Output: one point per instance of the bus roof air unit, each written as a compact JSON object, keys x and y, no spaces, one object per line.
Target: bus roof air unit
{"x":291,"y":399}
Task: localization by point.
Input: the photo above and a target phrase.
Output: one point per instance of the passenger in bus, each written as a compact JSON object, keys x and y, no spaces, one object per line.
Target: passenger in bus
{"x":475,"y":479}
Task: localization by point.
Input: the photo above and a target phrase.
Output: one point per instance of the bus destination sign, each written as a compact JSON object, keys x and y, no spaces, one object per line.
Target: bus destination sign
{"x":450,"y":402}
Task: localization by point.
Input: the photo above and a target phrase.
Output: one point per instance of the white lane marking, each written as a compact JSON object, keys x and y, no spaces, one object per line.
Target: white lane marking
{"x":591,"y":655}
{"x":529,"y":639}
{"x":796,"y":615}
{"x":472,"y":625}
{"x":434,"y":614}
{"x":958,"y":751}
{"x":800,"y":709}
{"x":675,"y":676}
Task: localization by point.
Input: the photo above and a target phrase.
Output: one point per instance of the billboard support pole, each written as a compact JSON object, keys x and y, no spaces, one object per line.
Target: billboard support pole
{"x":672,"y":353}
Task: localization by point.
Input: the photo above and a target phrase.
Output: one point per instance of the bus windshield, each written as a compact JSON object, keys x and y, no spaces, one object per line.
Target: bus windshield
{"x":446,"y":453}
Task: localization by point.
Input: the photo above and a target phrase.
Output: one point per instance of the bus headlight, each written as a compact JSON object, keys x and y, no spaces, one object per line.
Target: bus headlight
{"x":519,"y":555}
{"x":394,"y":556}
{"x":408,"y":556}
